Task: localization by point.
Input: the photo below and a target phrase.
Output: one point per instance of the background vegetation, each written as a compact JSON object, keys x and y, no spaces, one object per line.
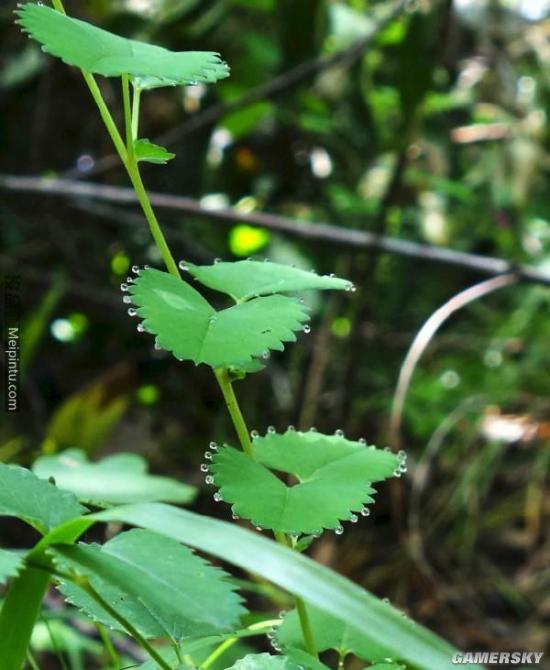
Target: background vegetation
{"x":433,"y":131}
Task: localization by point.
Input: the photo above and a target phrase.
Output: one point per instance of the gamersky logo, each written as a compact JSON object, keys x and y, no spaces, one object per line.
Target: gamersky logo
{"x":498,"y":658}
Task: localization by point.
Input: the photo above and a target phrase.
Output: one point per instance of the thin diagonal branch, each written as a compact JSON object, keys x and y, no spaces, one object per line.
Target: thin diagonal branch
{"x":350,"y":238}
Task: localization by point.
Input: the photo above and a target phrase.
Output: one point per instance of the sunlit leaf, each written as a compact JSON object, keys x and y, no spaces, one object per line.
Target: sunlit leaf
{"x":334,"y":480}
{"x":161,"y":587}
{"x":40,"y":503}
{"x":95,"y":50}
{"x":246,"y":279}
{"x":118,"y":479}
{"x":188,"y":326}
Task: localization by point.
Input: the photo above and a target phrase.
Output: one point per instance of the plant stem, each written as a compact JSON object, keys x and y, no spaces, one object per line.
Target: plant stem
{"x":235,"y":411}
{"x":246,"y":444}
{"x":128,"y":116}
{"x":135,"y":112}
{"x":305,"y":623}
{"x":109,"y":647}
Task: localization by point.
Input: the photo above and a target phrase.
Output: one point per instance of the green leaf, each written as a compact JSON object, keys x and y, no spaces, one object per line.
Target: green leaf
{"x":386,"y":666}
{"x":264,"y":662}
{"x":100,"y":52}
{"x":34,"y":500}
{"x":20,"y":610}
{"x":116,"y":480}
{"x":243,"y":280}
{"x":330,"y":633}
{"x":148,"y":152}
{"x":334,"y":480}
{"x":159,"y":586}
{"x":296,"y":573}
{"x":188,"y":326}
{"x":10,"y":563}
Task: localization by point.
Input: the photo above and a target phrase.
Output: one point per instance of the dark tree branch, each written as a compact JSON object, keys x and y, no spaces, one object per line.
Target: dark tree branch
{"x":322,"y":232}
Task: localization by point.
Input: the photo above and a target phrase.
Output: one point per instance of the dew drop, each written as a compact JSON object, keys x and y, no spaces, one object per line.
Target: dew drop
{"x":132,"y":311}
{"x":317,"y":533}
{"x":387,"y":449}
{"x":135,"y":269}
{"x":402,"y":468}
{"x":362,"y":440}
{"x":140,"y":328}
{"x":208,"y":455}
{"x":209,"y":479}
{"x":258,"y":528}
{"x":254,"y":434}
{"x":126,"y":299}
{"x":365,"y":511}
{"x":401,"y":455}
{"x":157,"y":346}
{"x":339,"y":530}
{"x":183,"y":267}
{"x":271,"y":430}
{"x":339,"y":432}
{"x":332,"y":274}
{"x":291,"y":429}
{"x":387,"y":601}
{"x":124,"y":287}
{"x":213,"y":446}
{"x":204,"y":467}
{"x":146,"y":267}
{"x":218,"y":497}
{"x":265,"y":355}
{"x":217,"y":260}
{"x":397,"y":472}
{"x":234,"y":516}
{"x":306,"y":329}
{"x":313,"y":429}
{"x":354,"y":518}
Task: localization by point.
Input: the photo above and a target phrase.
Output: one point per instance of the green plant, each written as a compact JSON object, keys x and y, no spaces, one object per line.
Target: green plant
{"x":146,"y":582}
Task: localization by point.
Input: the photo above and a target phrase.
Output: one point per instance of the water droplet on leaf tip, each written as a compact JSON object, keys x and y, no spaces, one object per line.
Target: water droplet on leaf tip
{"x":140,"y":328}
{"x":306,"y":329}
{"x":218,"y":497}
{"x":135,"y":269}
{"x":183,"y":267}
{"x":254,"y":434}
{"x":124,"y":287}
{"x":157,"y":347}
{"x":339,"y":530}
{"x":401,"y":454}
{"x":204,"y":467}
{"x":339,"y":432}
{"x":126,"y":299}
{"x":365,"y":511}
{"x":362,"y":440}
{"x":265,"y":355}
{"x":132,"y":311}
{"x":271,"y":430}
{"x":258,"y":528}
{"x":209,"y":479}
{"x":313,"y":429}
{"x":354,"y":518}
{"x":208,"y":455}
{"x":234,"y":516}
{"x":146,"y":267}
{"x":387,"y":449}
{"x":332,"y":274}
{"x":291,"y":429}
{"x":387,"y":601}
{"x":217,"y":260}
{"x":213,"y":446}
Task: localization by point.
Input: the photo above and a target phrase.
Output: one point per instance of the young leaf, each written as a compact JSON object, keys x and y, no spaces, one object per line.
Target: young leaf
{"x":334,"y":480}
{"x":10,"y":563}
{"x":95,"y":50}
{"x":34,"y":500}
{"x":148,"y":152}
{"x":246,"y":279}
{"x":264,"y":662}
{"x":188,"y":326}
{"x":159,"y":586}
{"x":116,"y":480}
{"x":330,"y":633}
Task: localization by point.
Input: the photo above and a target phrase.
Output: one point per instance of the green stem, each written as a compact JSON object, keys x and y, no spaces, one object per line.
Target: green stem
{"x":127,"y":116}
{"x":32,"y":661}
{"x":218,"y":651}
{"x":135,"y":112}
{"x":108,"y":646}
{"x":253,"y":629}
{"x":235,"y":411}
{"x":305,"y":623}
{"x":244,"y":437}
